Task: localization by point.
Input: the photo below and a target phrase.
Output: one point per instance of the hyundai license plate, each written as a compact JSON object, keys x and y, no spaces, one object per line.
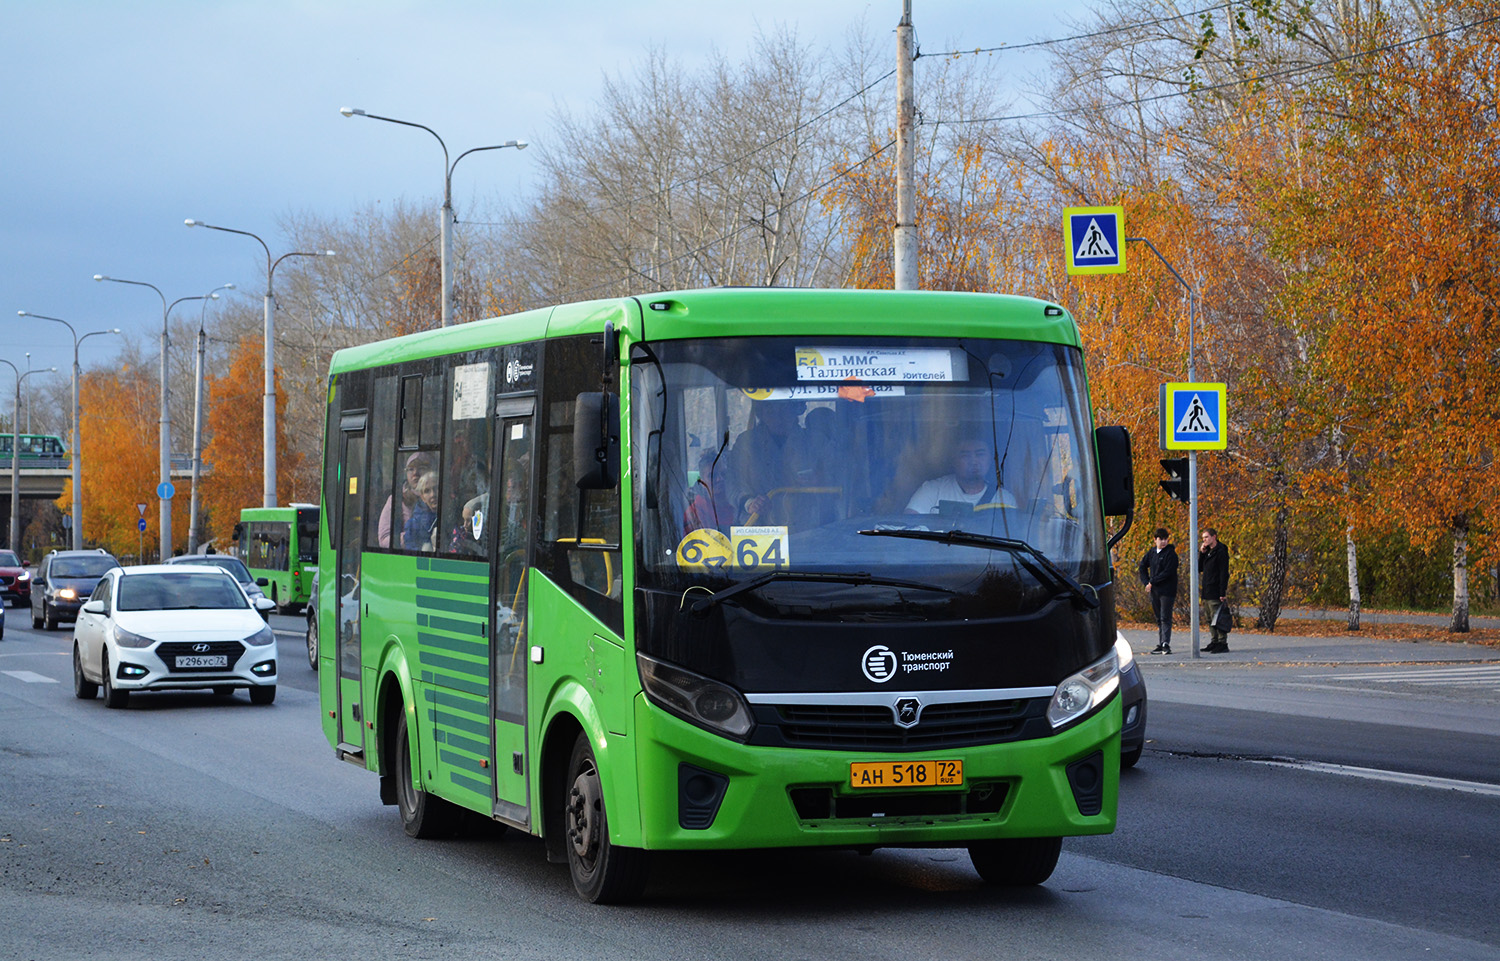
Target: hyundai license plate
{"x":905,"y":774}
{"x":202,"y":660}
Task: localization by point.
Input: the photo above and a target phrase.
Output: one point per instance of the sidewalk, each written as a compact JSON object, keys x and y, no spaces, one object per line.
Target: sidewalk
{"x":1246,"y":648}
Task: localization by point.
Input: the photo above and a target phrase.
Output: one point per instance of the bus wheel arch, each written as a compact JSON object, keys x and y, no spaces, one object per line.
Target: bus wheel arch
{"x":557,"y":752}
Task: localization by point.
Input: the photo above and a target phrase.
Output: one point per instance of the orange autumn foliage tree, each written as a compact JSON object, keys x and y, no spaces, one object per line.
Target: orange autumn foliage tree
{"x":118,"y":422}
{"x":234,"y":449}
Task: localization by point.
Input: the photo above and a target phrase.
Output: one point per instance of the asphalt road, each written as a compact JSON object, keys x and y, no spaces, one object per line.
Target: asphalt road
{"x":191,"y":826}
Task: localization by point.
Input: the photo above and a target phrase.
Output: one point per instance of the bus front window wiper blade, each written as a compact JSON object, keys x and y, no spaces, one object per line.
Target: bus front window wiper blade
{"x":831,"y":577}
{"x":1039,"y":564}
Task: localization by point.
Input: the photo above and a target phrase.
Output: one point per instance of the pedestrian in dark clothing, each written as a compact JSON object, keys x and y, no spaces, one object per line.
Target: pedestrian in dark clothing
{"x":1158,"y":571}
{"x":1213,"y":571}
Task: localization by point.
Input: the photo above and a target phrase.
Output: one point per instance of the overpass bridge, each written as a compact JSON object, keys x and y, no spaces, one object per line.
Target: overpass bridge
{"x":46,"y":483}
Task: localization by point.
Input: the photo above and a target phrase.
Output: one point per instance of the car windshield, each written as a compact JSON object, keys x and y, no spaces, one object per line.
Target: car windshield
{"x":175,"y":592}
{"x":83,"y":566}
{"x":231,"y":564}
{"x":9,"y":559}
{"x":778,"y":454}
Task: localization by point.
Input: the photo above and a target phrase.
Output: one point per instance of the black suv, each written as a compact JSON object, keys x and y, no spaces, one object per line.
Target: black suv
{"x":65,"y":581}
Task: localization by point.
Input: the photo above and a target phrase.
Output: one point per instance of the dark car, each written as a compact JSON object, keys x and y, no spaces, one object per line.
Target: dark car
{"x":15,"y":579}
{"x":235,"y":566}
{"x":1132,"y":703}
{"x":64,"y":581}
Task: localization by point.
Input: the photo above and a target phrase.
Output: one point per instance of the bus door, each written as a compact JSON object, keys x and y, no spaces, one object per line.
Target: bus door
{"x":510,"y":515}
{"x":346,"y":541}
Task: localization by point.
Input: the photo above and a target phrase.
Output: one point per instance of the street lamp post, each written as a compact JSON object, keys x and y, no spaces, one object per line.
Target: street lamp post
{"x":446,"y":217}
{"x":192,"y":544}
{"x":164,"y":422}
{"x":268,"y":406}
{"x":15,"y":451}
{"x":77,"y":435}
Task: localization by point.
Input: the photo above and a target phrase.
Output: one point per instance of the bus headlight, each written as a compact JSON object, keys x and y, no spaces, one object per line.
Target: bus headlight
{"x":1085,"y":690}
{"x":694,"y":698}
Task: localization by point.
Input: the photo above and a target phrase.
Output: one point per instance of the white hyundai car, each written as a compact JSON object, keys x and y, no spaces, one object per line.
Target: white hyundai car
{"x":172,"y":627}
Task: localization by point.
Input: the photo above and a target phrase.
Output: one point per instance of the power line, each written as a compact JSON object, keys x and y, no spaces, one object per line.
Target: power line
{"x":1011,"y":48}
{"x":1275,"y":74}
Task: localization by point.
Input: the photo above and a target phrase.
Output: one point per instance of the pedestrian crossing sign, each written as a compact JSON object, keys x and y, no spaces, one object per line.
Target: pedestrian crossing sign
{"x":1193,"y":417}
{"x":1094,"y":239}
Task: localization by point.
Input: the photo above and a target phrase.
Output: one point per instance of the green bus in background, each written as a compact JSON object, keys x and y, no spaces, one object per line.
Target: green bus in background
{"x":279,"y":546}
{"x":732,"y":568}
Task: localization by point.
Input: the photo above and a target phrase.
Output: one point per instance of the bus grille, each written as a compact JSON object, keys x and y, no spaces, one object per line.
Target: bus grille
{"x":873,"y":727}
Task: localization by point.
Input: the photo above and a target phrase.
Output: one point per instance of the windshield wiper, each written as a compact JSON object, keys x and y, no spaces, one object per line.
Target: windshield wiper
{"x":855,"y":577}
{"x":1033,"y":560}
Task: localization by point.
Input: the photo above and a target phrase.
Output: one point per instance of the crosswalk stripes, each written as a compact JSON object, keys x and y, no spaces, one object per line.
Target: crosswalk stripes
{"x":1467,"y":675}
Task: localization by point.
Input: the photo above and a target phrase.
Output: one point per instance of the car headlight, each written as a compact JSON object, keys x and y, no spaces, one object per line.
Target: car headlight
{"x":1085,"y":690}
{"x":126,"y":638}
{"x":262,"y":637}
{"x":23,"y":577}
{"x":694,"y":698}
{"x":1123,"y":651}
{"x":67,"y":594}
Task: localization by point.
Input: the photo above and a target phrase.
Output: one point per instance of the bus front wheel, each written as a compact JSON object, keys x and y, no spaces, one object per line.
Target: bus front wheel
{"x":1015,"y":862}
{"x":422,"y":815}
{"x":603,"y":873}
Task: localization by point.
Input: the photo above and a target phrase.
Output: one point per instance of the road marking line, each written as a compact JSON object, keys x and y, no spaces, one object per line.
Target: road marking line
{"x":30,"y":677}
{"x":1392,"y":777}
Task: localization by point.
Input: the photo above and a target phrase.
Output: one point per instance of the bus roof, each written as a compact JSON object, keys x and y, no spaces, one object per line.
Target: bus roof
{"x":738,"y":311}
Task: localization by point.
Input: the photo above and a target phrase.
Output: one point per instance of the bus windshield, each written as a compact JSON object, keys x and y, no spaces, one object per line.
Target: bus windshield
{"x":843,"y":456}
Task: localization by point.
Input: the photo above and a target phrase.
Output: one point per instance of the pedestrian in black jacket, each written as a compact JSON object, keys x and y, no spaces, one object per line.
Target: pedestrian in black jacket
{"x":1213,"y":571}
{"x":1158,"y":571}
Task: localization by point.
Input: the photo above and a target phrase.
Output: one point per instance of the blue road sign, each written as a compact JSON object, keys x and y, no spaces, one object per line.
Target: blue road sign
{"x":165,"y":490}
{"x":140,"y":525}
{"x":1192,"y":417}
{"x":1095,"y":239}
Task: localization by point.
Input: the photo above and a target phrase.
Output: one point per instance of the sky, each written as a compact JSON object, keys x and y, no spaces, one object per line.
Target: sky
{"x":122,"y":119}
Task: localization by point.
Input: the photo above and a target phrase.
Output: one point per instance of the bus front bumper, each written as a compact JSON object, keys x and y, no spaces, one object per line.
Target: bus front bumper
{"x":702,"y":791}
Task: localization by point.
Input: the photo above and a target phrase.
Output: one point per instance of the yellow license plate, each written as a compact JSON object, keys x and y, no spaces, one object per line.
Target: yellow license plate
{"x":905,"y":774}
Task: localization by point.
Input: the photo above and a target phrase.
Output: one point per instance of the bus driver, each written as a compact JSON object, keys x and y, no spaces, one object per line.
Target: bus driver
{"x":974,"y":481}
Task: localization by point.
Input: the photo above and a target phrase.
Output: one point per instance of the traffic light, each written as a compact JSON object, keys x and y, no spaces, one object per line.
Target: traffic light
{"x":1177,"y":470}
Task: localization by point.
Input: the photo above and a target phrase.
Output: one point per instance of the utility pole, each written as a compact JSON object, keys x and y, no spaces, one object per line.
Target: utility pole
{"x":905,"y":241}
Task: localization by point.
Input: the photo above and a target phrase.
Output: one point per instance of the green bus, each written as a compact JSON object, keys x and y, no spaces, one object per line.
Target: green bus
{"x":279,"y":546}
{"x":677,"y":572}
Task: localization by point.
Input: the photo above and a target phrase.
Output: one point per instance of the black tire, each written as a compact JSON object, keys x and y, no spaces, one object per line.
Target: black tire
{"x":603,"y":873}
{"x":422,"y":815}
{"x":36,"y":620}
{"x":49,"y":618}
{"x":113,"y":696}
{"x":83,"y":688}
{"x":1015,"y":862}
{"x":1128,"y":759}
{"x":312,"y":643}
{"x":264,"y":694}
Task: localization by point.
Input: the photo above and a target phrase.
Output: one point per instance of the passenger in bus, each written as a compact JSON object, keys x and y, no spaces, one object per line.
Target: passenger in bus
{"x":760,"y":461}
{"x":420,"y":533}
{"x":416,"y":465}
{"x":974,"y":480}
{"x":708,"y":499}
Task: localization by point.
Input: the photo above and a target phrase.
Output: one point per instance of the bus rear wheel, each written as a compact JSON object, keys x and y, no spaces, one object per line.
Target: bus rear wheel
{"x":422,"y":815}
{"x":603,"y":873}
{"x":1015,"y":862}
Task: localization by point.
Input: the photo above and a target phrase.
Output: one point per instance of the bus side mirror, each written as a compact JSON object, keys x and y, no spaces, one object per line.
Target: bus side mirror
{"x":596,"y":440}
{"x":1116,"y":476}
